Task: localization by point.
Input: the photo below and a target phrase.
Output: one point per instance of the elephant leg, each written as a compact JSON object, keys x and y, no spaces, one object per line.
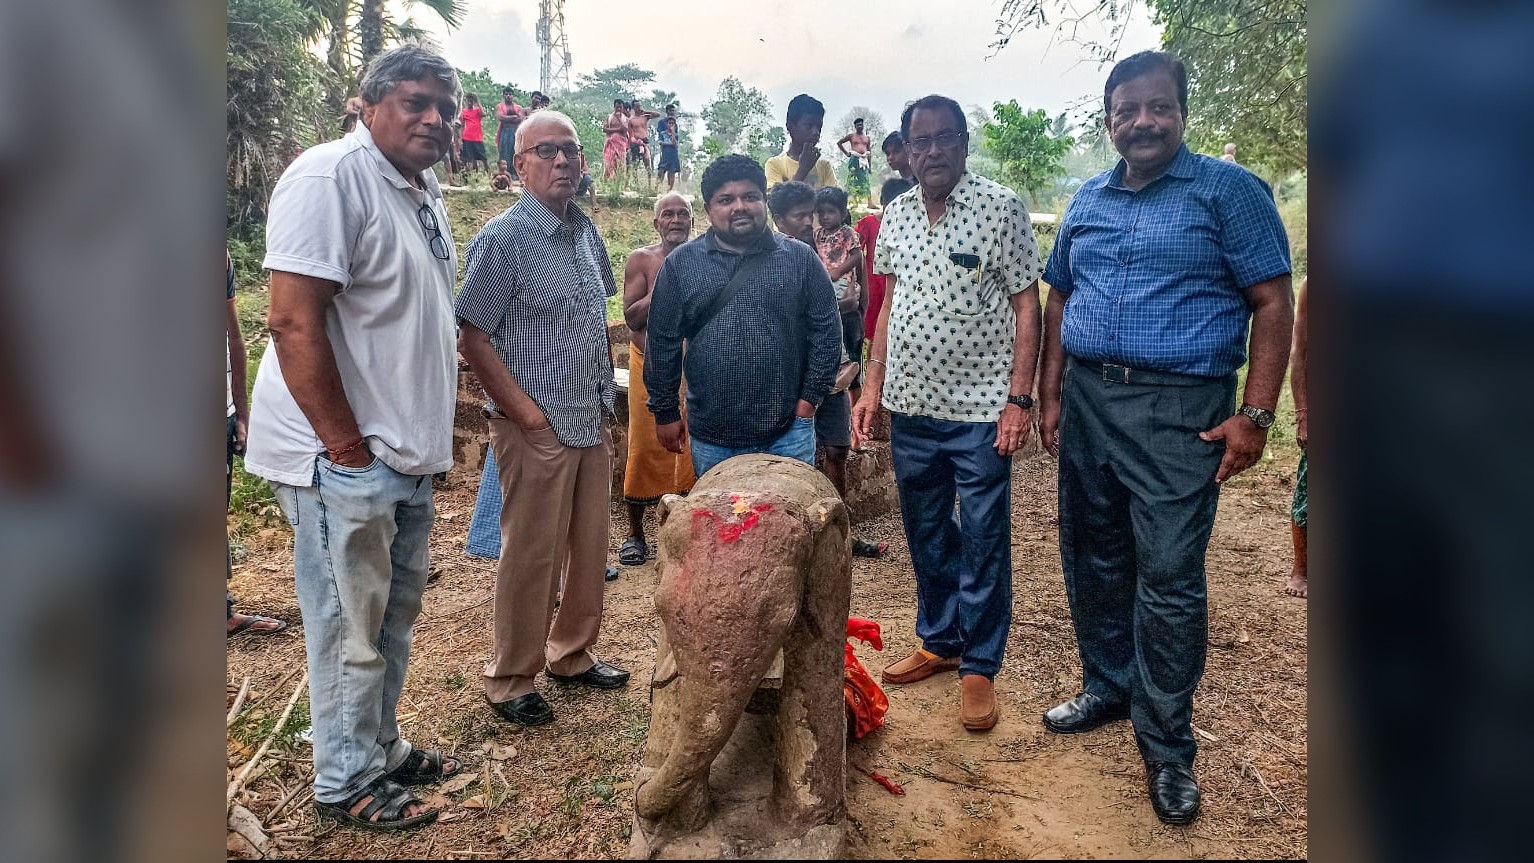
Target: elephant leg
{"x":665,"y":696}
{"x":809,"y":776}
{"x":711,"y":706}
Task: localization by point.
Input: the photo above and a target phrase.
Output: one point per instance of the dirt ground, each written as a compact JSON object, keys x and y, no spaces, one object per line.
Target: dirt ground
{"x":564,"y":790}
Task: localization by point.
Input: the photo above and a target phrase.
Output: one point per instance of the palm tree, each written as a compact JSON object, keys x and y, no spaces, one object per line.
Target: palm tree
{"x":355,"y":31}
{"x":374,"y":26}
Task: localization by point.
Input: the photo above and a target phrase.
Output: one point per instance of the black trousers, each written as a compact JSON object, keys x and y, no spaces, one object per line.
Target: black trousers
{"x":1137,"y":504}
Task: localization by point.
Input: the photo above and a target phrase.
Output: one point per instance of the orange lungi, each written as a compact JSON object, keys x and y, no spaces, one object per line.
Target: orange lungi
{"x":652,"y":470}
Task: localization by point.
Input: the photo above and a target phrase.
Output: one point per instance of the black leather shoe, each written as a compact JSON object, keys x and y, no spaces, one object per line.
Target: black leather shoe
{"x":599,"y":676}
{"x":1083,"y":713}
{"x":1173,"y":792}
{"x":529,"y":709}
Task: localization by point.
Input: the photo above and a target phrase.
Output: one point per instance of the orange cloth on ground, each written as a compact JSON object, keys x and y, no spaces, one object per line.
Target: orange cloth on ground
{"x":866,"y":702}
{"x":652,"y":471}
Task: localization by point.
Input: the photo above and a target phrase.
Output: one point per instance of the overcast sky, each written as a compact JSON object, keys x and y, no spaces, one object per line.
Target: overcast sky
{"x":878,"y":53}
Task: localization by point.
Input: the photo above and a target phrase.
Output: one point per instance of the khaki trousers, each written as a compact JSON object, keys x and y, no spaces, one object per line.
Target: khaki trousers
{"x":554,"y":527}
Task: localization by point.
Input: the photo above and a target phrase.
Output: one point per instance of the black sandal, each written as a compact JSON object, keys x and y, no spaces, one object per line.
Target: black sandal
{"x":388,"y":803}
{"x":423,"y":767}
{"x":633,"y":552}
{"x":864,"y":548}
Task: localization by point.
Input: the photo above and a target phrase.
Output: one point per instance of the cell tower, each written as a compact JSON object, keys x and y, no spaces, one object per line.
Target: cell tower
{"x":554,"y":65}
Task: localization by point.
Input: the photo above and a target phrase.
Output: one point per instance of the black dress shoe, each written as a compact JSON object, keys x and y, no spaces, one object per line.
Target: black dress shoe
{"x":1083,"y":713}
{"x":529,"y":709}
{"x":1173,"y":792}
{"x":599,"y":676}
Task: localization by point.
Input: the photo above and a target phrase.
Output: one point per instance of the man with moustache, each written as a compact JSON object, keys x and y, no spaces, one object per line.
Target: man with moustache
{"x":652,"y":471}
{"x":759,"y":364}
{"x":353,"y":413}
{"x":533,"y":327}
{"x":1161,"y":266}
{"x":953,"y":359}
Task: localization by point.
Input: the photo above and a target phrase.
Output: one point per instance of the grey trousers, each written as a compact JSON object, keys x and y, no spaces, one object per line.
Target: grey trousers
{"x":1137,"y":504}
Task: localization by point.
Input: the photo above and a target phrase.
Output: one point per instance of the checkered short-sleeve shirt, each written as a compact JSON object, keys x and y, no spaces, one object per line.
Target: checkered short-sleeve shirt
{"x":539,"y":287}
{"x":951,"y":326}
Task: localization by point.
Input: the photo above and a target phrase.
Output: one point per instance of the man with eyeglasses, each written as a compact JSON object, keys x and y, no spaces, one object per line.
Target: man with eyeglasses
{"x":953,"y":359}
{"x":352,"y":414}
{"x":533,"y":327}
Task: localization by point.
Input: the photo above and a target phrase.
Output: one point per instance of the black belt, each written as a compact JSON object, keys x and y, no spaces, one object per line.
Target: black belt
{"x":1125,"y":375}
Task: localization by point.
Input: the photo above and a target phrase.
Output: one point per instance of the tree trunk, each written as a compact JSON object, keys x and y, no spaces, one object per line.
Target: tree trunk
{"x":370,"y":30}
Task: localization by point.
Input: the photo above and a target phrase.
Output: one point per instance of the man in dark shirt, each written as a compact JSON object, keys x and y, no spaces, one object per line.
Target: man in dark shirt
{"x":758,"y":367}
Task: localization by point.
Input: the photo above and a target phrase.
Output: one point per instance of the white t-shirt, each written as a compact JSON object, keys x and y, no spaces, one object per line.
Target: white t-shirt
{"x":951,"y":326}
{"x":343,"y":213}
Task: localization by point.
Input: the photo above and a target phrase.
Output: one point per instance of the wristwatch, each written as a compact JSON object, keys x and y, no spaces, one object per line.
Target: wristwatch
{"x":1024,"y":401}
{"x":1259,"y":417}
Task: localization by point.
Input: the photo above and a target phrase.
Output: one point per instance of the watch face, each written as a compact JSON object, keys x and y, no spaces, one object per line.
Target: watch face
{"x":1259,"y":417}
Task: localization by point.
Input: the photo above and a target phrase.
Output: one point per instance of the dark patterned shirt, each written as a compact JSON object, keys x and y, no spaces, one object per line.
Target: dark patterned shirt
{"x":776,"y":342}
{"x":538,"y":287}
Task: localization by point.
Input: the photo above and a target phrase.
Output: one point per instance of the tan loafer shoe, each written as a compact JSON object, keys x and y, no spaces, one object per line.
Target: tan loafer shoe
{"x":977,"y":703}
{"x":920,"y":665}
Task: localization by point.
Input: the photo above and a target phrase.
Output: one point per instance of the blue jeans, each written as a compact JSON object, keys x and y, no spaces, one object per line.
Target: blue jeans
{"x":963,"y":560}
{"x":359,"y":561}
{"x":798,"y":442}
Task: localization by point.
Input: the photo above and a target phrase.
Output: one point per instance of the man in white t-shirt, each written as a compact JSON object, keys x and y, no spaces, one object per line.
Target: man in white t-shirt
{"x":352,"y":414}
{"x":960,"y":331}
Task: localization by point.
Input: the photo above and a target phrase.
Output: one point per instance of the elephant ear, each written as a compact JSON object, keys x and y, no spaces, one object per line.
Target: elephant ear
{"x":827,"y":511}
{"x":667,"y":503}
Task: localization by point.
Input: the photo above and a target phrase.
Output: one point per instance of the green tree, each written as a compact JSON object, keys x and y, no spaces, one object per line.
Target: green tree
{"x":1030,"y":156}
{"x":352,"y":32}
{"x":272,"y":107}
{"x":624,"y":81}
{"x":739,"y":118}
{"x":1246,"y":60}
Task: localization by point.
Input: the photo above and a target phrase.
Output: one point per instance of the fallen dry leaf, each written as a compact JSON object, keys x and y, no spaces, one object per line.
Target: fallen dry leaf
{"x":458,"y":783}
{"x":475,"y":802}
{"x":500,"y":751}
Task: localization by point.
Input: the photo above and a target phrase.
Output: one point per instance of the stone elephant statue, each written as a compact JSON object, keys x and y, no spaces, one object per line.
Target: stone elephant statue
{"x":756,"y":560}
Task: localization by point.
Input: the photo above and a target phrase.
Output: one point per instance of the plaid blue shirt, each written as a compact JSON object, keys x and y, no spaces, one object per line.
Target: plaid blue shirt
{"x":1157,"y":278}
{"x":539,"y":287}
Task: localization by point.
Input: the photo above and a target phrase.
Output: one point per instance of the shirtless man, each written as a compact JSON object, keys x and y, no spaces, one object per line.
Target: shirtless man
{"x":651,"y":471}
{"x":639,"y":137}
{"x":616,"y":129}
{"x":857,"y":161}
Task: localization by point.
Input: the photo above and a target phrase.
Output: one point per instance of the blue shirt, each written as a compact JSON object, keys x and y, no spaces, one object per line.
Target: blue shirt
{"x":538,"y":286}
{"x":777,"y":341}
{"x":1157,"y":278}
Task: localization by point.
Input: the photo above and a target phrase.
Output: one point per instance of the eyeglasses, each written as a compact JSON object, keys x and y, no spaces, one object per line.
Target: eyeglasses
{"x":941,"y":139}
{"x":547,"y":152}
{"x":428,"y":218}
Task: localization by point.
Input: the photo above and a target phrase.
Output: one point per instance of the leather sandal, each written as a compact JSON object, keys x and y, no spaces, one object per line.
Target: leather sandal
{"x":388,"y":803}
{"x":424,"y":766}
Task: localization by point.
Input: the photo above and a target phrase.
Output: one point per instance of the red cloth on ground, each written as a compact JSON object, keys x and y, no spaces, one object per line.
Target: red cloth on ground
{"x":473,"y":124}
{"x":866,"y":702}
{"x":868,"y":232}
